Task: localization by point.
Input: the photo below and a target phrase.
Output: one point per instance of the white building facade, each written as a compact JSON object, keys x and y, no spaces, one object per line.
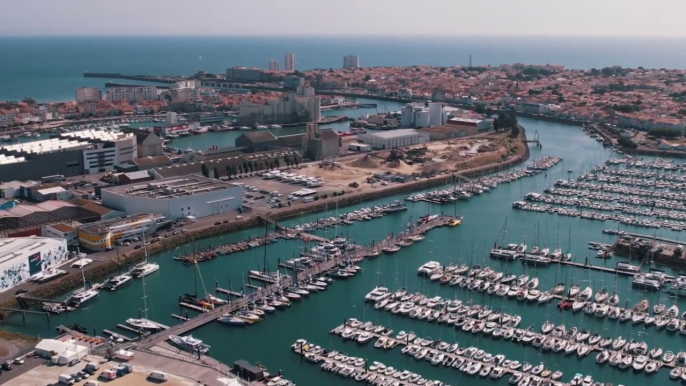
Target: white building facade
{"x":290,"y":62}
{"x":23,"y":257}
{"x":393,"y":138}
{"x":88,"y":94}
{"x":273,"y":65}
{"x":176,"y":197}
{"x":132,"y":93}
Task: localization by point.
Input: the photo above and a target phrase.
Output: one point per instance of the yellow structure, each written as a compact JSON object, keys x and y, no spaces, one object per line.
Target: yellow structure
{"x":102,"y":235}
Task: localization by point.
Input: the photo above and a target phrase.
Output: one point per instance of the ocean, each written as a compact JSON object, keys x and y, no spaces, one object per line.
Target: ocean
{"x":51,"y":68}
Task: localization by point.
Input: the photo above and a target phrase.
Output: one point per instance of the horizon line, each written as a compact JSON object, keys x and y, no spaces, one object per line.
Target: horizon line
{"x":335,"y":36}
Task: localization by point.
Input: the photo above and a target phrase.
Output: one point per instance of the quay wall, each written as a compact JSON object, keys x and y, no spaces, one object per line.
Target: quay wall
{"x":99,"y":271}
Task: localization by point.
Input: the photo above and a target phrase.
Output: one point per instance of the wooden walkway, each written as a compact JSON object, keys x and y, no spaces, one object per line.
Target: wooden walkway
{"x":237,"y":304}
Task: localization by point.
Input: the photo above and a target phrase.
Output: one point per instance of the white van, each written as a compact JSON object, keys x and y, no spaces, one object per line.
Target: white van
{"x":91,"y":383}
{"x":158,"y":376}
{"x":66,"y":379}
{"x":308,"y":199}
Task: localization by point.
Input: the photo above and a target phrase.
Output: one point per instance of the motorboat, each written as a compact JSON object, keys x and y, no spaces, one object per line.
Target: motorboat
{"x":190,"y":344}
{"x":117,"y":282}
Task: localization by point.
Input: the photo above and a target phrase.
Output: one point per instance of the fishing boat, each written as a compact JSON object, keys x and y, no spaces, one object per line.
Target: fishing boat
{"x":190,"y":344}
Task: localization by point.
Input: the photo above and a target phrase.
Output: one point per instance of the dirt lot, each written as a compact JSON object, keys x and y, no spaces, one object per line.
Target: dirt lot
{"x":451,"y":155}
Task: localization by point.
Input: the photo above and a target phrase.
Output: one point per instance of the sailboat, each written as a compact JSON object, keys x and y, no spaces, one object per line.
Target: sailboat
{"x":145,"y":268}
{"x":83,"y":295}
{"x":144,"y":323}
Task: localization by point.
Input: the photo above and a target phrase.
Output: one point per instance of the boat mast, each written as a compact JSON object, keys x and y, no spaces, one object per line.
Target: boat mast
{"x":145,"y":295}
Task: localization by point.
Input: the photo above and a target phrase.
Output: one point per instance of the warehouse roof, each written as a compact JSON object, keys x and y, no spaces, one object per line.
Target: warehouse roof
{"x":389,"y":134}
{"x":170,"y":188}
{"x":16,"y":246}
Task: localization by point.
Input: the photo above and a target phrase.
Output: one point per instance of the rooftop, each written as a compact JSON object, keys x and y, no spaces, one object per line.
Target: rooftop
{"x":45,"y":146}
{"x":170,"y":188}
{"x":18,"y":246}
{"x":98,"y":135}
{"x":106,"y":225}
{"x":388,"y":134}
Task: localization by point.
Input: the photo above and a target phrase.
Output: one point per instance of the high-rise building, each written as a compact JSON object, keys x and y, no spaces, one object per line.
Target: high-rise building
{"x":273,"y":65}
{"x":351,"y":61}
{"x":88,"y":94}
{"x":290,"y":62}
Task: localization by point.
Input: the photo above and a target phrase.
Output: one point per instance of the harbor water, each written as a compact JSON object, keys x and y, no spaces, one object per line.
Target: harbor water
{"x":268,"y":342}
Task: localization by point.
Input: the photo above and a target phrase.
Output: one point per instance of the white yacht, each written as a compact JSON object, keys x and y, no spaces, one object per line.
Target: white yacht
{"x":117,"y":282}
{"x":429,"y":268}
{"x":142,"y":324}
{"x":189,"y":344}
{"x":377,"y":294}
{"x":144,"y":269}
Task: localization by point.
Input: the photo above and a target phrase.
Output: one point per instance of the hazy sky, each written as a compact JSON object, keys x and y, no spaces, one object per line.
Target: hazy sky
{"x":344,"y":17}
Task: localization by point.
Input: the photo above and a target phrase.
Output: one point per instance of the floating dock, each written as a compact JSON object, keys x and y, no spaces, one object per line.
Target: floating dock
{"x":209,"y":316}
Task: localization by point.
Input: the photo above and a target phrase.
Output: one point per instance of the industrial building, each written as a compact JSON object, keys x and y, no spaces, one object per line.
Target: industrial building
{"x":175,"y":197}
{"x":64,"y":231}
{"x":393,"y":138}
{"x":419,"y":115}
{"x":107,"y":149}
{"x":285,"y":110}
{"x":23,"y":257}
{"x":244,"y":74}
{"x":102,"y":235}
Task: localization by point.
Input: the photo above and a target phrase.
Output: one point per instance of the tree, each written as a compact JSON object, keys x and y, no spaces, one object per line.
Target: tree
{"x":216,"y":173}
{"x":496,"y":125}
{"x":240,"y":169}
{"x":627,"y":143}
{"x":205,"y":170}
{"x":245,"y":167}
{"x":276,"y":162}
{"x":287,"y":160}
{"x":367,"y":77}
{"x":295,"y":160}
{"x":665,"y":133}
{"x":514,"y":131}
{"x":235,"y":170}
{"x":255,"y":166}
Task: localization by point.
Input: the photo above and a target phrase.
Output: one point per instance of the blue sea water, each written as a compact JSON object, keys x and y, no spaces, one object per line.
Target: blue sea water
{"x":50,"y":68}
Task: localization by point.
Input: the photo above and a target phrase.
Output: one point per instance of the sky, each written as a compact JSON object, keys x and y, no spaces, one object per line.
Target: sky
{"x":343,"y":17}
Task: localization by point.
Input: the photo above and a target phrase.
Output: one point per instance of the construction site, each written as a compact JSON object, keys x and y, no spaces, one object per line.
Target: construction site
{"x":421,"y":160}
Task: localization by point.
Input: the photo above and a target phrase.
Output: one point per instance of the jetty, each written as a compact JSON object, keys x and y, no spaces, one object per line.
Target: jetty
{"x":288,"y":281}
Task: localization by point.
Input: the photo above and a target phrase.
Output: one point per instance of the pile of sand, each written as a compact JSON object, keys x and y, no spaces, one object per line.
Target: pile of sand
{"x":365,"y":162}
{"x":401,"y":166}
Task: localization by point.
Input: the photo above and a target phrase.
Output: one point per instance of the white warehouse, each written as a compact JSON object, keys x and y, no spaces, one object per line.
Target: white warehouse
{"x":176,"y":197}
{"x":23,"y":257}
{"x":393,"y":138}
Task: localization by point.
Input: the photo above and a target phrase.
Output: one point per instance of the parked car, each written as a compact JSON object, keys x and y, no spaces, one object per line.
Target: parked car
{"x":218,"y":223}
{"x":6,"y":366}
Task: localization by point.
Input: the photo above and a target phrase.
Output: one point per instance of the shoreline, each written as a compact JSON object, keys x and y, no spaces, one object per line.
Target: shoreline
{"x":74,"y":280}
